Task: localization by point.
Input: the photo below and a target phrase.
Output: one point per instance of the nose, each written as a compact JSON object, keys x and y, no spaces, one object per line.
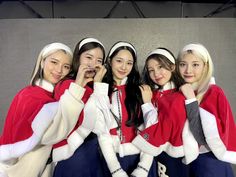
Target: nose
{"x":59,"y":68}
{"x":188,"y":69}
{"x":157,"y":72}
{"x":91,"y":63}
{"x":123,"y":66}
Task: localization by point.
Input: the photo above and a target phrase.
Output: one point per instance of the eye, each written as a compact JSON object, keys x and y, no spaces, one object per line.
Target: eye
{"x":195,"y":65}
{"x":99,"y":61}
{"x":53,"y":62}
{"x":150,"y":71}
{"x":130,"y":63}
{"x":182,"y":64}
{"x":118,"y":60}
{"x":67,"y":67}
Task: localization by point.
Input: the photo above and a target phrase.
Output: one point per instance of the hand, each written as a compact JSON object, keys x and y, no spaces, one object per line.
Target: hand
{"x":146,"y":93}
{"x":80,"y":78}
{"x":100,"y":73}
{"x":188,"y":91}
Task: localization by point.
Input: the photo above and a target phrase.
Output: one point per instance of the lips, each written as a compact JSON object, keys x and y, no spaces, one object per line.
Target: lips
{"x":57,"y":77}
{"x":121,"y":72}
{"x":188,"y":77}
{"x":91,"y":71}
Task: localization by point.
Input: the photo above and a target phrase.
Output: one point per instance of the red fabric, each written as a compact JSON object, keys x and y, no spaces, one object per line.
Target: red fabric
{"x":24,"y":107}
{"x":215,"y":102}
{"x":58,"y":92}
{"x":171,"y":119}
{"x":129,"y":133}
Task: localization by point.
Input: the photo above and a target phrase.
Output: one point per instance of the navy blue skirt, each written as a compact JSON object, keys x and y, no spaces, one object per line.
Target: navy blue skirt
{"x":85,"y":162}
{"x":171,"y":167}
{"x":207,"y":165}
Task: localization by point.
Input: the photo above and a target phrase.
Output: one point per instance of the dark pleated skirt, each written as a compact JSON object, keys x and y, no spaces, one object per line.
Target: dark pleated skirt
{"x":85,"y":162}
{"x":171,"y":167}
{"x":207,"y":165}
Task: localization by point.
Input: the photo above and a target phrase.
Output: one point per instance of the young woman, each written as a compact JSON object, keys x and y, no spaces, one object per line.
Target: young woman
{"x":160,"y":74}
{"x":214,"y":118}
{"x":33,"y":122}
{"x":119,"y":114}
{"x":79,"y":150}
{"x":167,"y":132}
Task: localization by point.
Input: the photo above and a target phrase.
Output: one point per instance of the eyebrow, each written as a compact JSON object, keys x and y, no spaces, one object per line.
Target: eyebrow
{"x":59,"y":60}
{"x":93,"y":55}
{"x":130,"y":60}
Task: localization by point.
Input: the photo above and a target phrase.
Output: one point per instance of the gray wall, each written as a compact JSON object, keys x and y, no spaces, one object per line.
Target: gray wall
{"x":21,"y":41}
{"x":123,"y":9}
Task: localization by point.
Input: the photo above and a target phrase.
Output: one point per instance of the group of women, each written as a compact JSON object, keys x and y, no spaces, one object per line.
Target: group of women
{"x":88,"y":114}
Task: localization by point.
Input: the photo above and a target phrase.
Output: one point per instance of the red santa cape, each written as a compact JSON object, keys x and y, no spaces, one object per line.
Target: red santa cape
{"x":218,"y":124}
{"x":171,"y":133}
{"x":23,"y":129}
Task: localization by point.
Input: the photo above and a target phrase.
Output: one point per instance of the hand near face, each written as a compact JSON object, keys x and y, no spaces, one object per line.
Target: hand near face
{"x":80,"y":78}
{"x":100,"y":72}
{"x":146,"y":93}
{"x":188,"y":91}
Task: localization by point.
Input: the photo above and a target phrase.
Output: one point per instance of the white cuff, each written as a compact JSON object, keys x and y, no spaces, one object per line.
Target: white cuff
{"x":76,"y":91}
{"x":101,"y":88}
{"x":190,"y":100}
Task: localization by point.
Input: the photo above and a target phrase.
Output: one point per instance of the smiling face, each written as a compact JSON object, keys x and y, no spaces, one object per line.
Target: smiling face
{"x":191,"y":68}
{"x":158,"y":74}
{"x":91,"y":58}
{"x":121,"y":64}
{"x":56,"y":66}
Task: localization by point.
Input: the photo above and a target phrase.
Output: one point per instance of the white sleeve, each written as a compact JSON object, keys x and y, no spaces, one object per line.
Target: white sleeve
{"x":106,"y":145}
{"x":144,"y":165}
{"x":149,"y":114}
{"x":67,"y":112}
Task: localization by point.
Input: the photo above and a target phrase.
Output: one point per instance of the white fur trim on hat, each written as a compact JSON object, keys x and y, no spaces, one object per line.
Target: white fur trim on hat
{"x":199,"y":48}
{"x":121,"y":44}
{"x":55,"y":46}
{"x":88,"y":40}
{"x":164,"y":53}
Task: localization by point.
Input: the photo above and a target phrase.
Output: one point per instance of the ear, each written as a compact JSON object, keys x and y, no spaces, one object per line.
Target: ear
{"x":42,"y":63}
{"x":172,"y":68}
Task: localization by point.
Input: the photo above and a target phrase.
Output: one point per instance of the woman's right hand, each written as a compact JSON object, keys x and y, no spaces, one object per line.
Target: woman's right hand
{"x":80,"y":78}
{"x":146,"y":92}
{"x":100,"y":73}
{"x":188,"y":91}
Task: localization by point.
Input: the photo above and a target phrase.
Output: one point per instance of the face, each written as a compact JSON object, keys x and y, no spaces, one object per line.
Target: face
{"x":91,"y":58}
{"x":121,"y":65}
{"x":158,"y":74}
{"x":191,"y":68}
{"x":56,"y":66}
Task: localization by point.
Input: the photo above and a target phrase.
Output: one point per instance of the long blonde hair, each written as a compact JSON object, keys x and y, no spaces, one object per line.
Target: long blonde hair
{"x":199,"y":51}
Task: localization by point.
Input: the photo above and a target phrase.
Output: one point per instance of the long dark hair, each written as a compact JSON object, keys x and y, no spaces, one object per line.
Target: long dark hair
{"x":165,"y":63}
{"x":133,"y":98}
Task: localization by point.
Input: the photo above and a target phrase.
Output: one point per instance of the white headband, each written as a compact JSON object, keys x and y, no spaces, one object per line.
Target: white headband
{"x":56,"y":46}
{"x":88,"y":40}
{"x":164,"y":53}
{"x":121,"y":44}
{"x":199,"y":48}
